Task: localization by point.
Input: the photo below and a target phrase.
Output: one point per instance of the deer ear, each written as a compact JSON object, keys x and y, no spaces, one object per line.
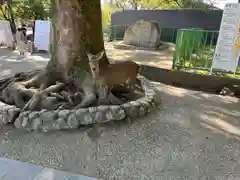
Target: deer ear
{"x":90,"y":56}
{"x":100,"y":55}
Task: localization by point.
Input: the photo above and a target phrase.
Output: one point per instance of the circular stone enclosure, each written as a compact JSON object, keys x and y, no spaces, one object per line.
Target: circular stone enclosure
{"x":46,"y":120}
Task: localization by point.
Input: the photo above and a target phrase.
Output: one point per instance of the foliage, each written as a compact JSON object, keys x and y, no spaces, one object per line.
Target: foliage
{"x":106,"y":15}
{"x":6,"y":13}
{"x":118,"y":5}
{"x":192,"y":4}
{"x":3,"y":12}
{"x":31,"y":10}
{"x":122,"y":5}
{"x":156,"y":4}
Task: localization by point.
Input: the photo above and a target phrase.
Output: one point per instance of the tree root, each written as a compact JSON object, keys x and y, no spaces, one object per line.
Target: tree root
{"x":33,"y":91}
{"x":38,"y":96}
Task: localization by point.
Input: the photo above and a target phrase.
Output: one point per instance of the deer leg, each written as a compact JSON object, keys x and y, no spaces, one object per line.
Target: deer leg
{"x":103,"y":92}
{"x":130,"y":84}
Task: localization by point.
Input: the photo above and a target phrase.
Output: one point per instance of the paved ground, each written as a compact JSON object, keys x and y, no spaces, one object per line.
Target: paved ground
{"x":162,"y":59}
{"x":11,"y":62}
{"x":190,"y":134}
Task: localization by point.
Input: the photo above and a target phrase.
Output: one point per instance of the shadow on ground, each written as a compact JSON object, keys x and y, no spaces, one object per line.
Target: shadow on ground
{"x":11,"y":62}
{"x":160,"y":58}
{"x":189,"y":134}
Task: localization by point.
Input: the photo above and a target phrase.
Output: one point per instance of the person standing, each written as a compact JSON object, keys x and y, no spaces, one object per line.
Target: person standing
{"x":24,"y":30}
{"x":20,"y":38}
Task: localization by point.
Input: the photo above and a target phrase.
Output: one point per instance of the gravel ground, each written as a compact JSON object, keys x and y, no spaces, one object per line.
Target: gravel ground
{"x":189,"y":134}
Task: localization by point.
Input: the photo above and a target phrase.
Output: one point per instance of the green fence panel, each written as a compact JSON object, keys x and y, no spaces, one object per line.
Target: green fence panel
{"x":169,"y":35}
{"x":117,"y":32}
{"x":188,"y":41}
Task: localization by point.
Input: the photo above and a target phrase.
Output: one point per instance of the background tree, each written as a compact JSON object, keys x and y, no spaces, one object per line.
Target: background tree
{"x":122,"y":5}
{"x":33,"y":10}
{"x":155,"y":4}
{"x":6,"y":12}
{"x":118,"y":5}
{"x":106,"y":15}
{"x":193,"y":4}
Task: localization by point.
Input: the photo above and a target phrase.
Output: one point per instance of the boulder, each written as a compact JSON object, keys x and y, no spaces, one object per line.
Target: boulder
{"x":143,"y":33}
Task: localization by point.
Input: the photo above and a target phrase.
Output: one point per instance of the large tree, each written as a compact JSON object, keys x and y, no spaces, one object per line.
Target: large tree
{"x":77,"y":27}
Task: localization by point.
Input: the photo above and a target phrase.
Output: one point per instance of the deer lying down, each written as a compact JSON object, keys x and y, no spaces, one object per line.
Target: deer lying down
{"x":114,"y":74}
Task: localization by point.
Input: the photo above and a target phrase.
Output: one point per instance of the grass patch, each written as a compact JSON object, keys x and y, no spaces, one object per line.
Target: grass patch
{"x":200,"y":62}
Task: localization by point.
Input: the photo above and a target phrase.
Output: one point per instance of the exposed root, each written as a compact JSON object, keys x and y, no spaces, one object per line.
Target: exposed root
{"x":42,"y":94}
{"x":33,"y":91}
{"x":56,"y":95}
{"x":233,"y":91}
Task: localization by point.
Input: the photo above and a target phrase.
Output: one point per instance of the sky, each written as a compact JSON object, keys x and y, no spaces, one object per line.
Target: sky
{"x":218,"y":3}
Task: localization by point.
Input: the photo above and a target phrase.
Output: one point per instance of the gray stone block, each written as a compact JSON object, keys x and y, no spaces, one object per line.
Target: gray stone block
{"x":19,"y":170}
{"x":4,"y":168}
{"x":51,"y":174}
{"x":80,"y":178}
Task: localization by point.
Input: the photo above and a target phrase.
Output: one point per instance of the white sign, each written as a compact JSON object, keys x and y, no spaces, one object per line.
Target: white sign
{"x":6,"y":36}
{"x":42,"y":35}
{"x":227,"y":52}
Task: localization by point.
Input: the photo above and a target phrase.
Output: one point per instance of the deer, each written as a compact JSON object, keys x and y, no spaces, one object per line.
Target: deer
{"x":109,"y":75}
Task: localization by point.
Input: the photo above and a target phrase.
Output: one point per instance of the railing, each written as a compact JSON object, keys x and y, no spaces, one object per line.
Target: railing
{"x":195,"y":50}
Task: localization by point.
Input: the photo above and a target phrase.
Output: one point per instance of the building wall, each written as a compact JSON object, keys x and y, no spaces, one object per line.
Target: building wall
{"x":210,"y":20}
{"x":168,"y":20}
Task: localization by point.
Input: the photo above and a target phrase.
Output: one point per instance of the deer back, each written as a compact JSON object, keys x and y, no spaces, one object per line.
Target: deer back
{"x":120,"y":73}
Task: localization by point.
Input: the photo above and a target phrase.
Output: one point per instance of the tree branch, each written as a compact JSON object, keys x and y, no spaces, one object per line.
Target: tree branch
{"x":176,"y":1}
{"x":4,"y":14}
{"x":119,"y":5}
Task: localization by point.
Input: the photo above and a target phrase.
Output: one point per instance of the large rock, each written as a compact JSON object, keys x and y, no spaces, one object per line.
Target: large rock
{"x":143,"y":33}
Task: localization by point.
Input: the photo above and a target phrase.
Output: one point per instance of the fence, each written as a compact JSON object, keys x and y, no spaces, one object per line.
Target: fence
{"x":195,"y":49}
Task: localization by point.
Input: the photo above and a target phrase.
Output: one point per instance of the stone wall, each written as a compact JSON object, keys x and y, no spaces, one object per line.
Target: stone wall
{"x":8,"y":113}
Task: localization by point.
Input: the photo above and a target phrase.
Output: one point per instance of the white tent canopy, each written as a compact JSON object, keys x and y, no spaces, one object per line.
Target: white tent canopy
{"x":6,"y":36}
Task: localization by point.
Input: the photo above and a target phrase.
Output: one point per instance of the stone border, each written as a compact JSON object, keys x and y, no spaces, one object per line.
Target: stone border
{"x":46,"y":120}
{"x":162,"y":47}
{"x":199,"y":82}
{"x":8,"y":113}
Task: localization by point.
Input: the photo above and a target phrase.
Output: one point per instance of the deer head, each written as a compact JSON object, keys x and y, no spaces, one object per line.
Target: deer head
{"x":94,"y":62}
{"x":95,"y":57}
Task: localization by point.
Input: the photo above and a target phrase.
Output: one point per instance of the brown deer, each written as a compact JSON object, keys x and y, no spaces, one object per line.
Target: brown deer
{"x":113,"y":74}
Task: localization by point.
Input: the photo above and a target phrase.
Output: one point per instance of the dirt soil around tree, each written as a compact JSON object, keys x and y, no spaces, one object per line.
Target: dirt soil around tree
{"x":189,"y":134}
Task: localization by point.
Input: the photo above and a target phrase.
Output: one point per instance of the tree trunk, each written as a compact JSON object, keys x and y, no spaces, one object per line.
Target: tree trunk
{"x":135,"y":6}
{"x":77,"y":28}
{"x":11,"y":17}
